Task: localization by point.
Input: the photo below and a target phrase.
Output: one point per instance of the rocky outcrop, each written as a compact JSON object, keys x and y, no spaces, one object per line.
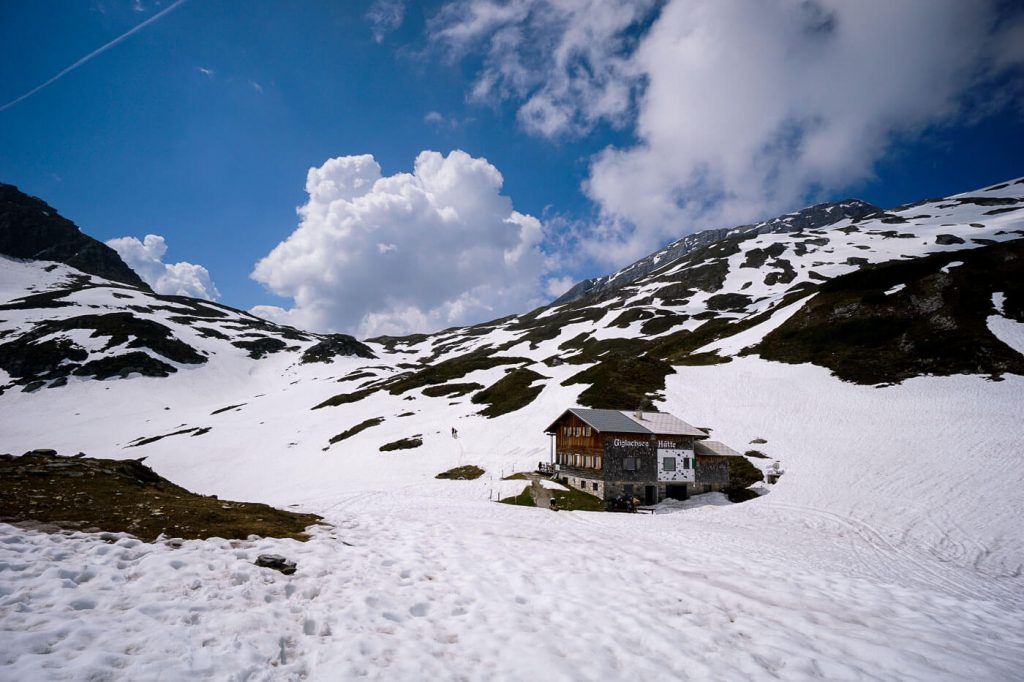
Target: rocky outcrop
{"x":30,"y":228}
{"x":334,"y":345}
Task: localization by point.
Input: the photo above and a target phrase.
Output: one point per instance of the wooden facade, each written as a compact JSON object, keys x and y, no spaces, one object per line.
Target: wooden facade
{"x":629,"y":462}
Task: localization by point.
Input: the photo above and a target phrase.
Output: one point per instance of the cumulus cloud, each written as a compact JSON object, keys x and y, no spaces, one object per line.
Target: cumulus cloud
{"x":741,"y":108}
{"x":146,"y":259}
{"x":376,"y":254}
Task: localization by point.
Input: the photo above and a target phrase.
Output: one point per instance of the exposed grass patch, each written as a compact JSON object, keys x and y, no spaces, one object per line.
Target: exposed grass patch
{"x":510,"y":393}
{"x":936,"y":325}
{"x":523,"y":499}
{"x":743,"y":474}
{"x":84,"y":493}
{"x":345,"y":398}
{"x":31,"y":356}
{"x":449,"y":370}
{"x":573,"y":499}
{"x":402,"y":444}
{"x":662,"y":323}
{"x":361,"y":426}
{"x":335,"y":345}
{"x":702,"y":359}
{"x":740,"y":494}
{"x":452,"y":390}
{"x":468,"y":472}
{"x":757,"y":454}
{"x":621,"y":380}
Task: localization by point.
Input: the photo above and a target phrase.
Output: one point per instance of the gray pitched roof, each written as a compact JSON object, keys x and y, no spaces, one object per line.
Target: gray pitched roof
{"x":619,"y":421}
{"x":603,"y":420}
{"x":665,"y":424}
{"x":713,"y":447}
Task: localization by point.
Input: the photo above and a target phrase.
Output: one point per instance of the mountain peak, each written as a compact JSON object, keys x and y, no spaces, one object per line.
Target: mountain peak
{"x":30,"y":228}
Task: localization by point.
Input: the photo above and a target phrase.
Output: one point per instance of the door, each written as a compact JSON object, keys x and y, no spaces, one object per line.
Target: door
{"x":651,"y":494}
{"x":676,"y":492}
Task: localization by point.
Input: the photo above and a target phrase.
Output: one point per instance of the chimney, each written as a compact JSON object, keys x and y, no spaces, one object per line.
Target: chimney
{"x":639,"y":413}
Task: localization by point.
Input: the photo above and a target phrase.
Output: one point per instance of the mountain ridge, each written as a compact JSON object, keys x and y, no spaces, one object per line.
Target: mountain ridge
{"x":30,"y":228}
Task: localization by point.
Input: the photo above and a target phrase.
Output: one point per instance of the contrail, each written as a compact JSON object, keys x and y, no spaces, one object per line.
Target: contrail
{"x":95,"y":53}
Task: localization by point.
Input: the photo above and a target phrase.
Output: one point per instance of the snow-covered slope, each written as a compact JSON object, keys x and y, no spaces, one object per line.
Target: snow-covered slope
{"x":892,"y":547}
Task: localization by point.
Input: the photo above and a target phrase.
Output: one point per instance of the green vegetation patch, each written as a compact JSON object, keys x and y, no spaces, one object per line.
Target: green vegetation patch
{"x":31,"y":356}
{"x":335,"y":345}
{"x":742,"y":475}
{"x":451,"y":390}
{"x":523,"y":499}
{"x":345,"y":398}
{"x":662,"y":323}
{"x":621,"y":380}
{"x":577,"y":500}
{"x":468,"y":472}
{"x":83,"y":493}
{"x":936,"y":325}
{"x":261,"y":347}
{"x":512,"y":392}
{"x":403,"y":444}
{"x":631,"y":315}
{"x":361,"y":426}
{"x":449,"y":370}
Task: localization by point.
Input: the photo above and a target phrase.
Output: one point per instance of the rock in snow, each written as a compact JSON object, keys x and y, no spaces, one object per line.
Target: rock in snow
{"x":276,"y":562}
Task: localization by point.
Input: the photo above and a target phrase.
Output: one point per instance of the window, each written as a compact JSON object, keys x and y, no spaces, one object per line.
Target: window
{"x":589,"y":462}
{"x":588,"y":432}
{"x":629,"y":463}
{"x":686,"y":463}
{"x":597,"y":461}
{"x":668,"y":464}
{"x":595,"y":485}
{"x":628,"y":489}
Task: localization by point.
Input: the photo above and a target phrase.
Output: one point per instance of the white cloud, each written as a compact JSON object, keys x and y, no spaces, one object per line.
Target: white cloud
{"x":385,"y":17}
{"x":256,"y":87}
{"x":439,"y":120}
{"x":556,"y":286}
{"x":146,"y":259}
{"x":209,"y":73}
{"x":743,"y":108}
{"x":409,"y":252}
{"x":553,"y":55}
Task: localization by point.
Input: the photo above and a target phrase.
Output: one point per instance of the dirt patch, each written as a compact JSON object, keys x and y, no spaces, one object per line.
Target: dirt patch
{"x":83,"y":493}
{"x":464,"y":473}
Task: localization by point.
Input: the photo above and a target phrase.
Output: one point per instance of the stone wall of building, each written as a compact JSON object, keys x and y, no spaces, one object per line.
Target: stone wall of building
{"x":713,"y":470}
{"x":618,"y":448}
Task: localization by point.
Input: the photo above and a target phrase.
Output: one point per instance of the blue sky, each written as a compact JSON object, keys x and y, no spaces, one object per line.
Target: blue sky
{"x":201,"y":128}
